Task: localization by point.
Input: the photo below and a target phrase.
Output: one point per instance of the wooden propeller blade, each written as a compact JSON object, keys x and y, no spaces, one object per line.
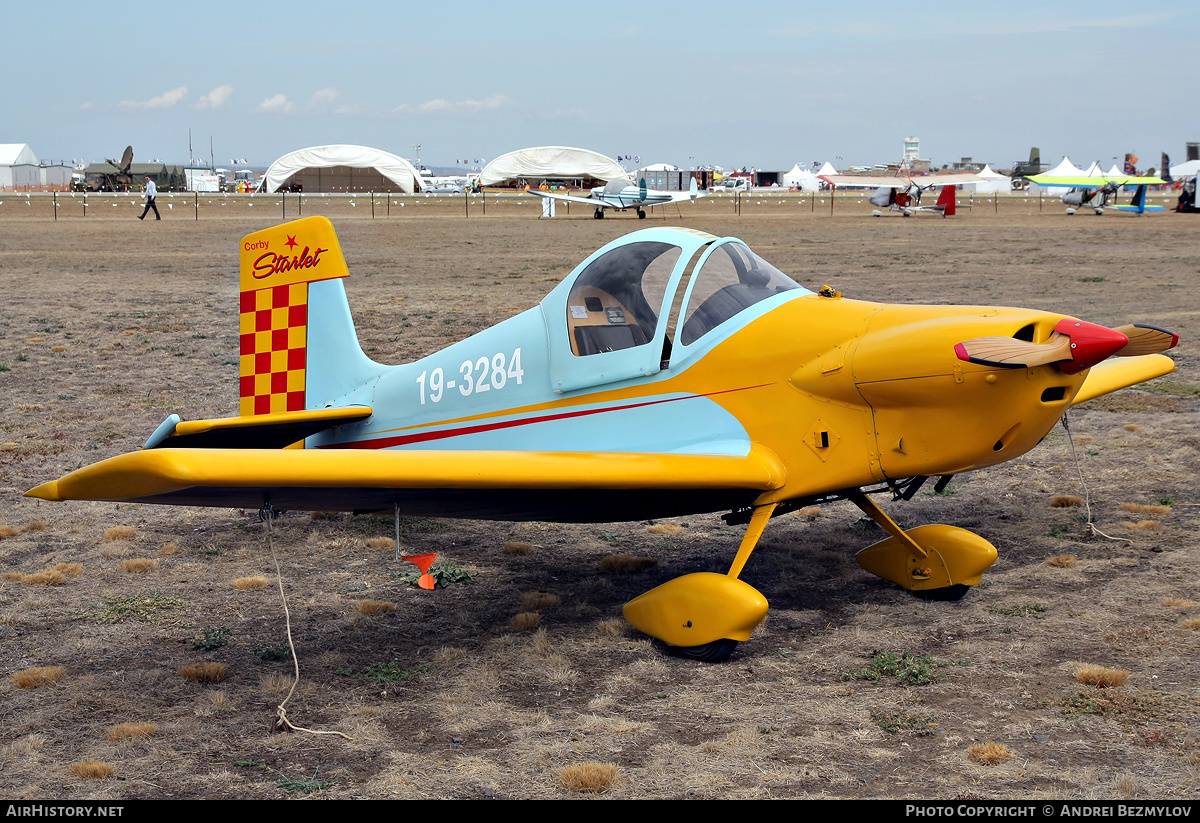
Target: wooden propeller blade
{"x":1015,"y":354}
{"x":1145,"y":339}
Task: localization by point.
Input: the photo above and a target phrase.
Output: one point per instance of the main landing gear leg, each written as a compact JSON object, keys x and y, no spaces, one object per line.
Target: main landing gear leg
{"x":936,"y":562}
{"x":704,"y":615}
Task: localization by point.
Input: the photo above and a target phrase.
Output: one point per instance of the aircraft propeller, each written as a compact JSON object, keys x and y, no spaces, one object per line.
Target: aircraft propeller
{"x":1146,"y":339}
{"x":1075,"y":345}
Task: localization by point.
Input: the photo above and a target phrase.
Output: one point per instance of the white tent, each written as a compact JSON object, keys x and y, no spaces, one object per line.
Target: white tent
{"x":659,"y":167}
{"x":543,"y":162}
{"x":341,"y":160}
{"x":1094,"y":170}
{"x":1065,"y":169}
{"x":1114,"y":172}
{"x":1189,"y":169}
{"x":801,"y":179}
{"x":827,"y":169}
{"x":992,"y":182}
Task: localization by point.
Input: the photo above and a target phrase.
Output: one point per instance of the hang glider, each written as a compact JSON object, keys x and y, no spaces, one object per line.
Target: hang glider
{"x":903,"y":193}
{"x":1096,"y":192}
{"x":923,"y":181}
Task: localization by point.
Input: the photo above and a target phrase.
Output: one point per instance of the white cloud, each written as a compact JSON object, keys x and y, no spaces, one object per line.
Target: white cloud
{"x":439,"y":106}
{"x":323,"y":96}
{"x":215,"y":98}
{"x":88,"y":106}
{"x":276,"y":105}
{"x":164,"y":100}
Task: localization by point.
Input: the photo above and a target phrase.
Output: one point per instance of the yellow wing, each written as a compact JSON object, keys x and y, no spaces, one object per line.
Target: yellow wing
{"x":565,"y":486}
{"x":1122,"y":372}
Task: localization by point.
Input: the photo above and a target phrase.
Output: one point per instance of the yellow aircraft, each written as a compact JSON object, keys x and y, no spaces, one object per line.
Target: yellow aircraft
{"x":672,"y":372}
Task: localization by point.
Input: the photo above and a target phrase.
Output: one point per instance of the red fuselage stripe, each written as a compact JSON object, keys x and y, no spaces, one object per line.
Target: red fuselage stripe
{"x":406,"y":439}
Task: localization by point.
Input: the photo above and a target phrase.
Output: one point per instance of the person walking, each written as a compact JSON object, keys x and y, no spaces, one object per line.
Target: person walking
{"x":151,"y":191}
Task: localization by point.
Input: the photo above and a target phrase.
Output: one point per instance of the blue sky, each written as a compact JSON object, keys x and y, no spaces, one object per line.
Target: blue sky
{"x":764,"y":84}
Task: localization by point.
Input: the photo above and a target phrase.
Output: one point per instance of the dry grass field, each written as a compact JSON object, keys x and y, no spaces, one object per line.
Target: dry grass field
{"x":520,"y":680}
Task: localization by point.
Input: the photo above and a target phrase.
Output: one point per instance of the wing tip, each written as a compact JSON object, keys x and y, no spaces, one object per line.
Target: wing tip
{"x":46,"y":491}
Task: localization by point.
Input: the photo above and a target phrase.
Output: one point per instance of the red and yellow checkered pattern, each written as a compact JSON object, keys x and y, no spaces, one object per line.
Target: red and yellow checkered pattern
{"x":274,"y":340}
{"x":277,"y":264}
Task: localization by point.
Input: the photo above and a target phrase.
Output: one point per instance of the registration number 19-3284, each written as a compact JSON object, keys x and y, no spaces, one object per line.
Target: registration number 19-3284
{"x":475,"y":376}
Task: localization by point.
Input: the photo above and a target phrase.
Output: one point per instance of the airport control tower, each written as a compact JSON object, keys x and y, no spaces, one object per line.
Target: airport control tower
{"x":912,"y":150}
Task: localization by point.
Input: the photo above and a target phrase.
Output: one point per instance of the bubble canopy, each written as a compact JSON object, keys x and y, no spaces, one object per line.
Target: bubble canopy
{"x":647,"y":301}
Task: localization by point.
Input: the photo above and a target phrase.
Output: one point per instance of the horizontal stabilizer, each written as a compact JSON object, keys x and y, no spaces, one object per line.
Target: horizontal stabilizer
{"x":263,"y":431}
{"x":1139,"y":210}
{"x":1112,"y":375}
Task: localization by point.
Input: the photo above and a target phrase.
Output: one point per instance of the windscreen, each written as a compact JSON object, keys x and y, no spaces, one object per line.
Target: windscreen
{"x":731,"y":280}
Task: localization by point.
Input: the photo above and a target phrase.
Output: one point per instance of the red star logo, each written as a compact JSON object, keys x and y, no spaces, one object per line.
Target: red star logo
{"x":291,"y":242}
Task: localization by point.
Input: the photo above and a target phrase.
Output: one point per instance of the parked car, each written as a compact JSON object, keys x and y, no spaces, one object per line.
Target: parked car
{"x":732,"y":184}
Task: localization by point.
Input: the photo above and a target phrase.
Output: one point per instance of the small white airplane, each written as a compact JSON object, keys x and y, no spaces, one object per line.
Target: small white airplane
{"x":903,"y":194}
{"x":617,"y":194}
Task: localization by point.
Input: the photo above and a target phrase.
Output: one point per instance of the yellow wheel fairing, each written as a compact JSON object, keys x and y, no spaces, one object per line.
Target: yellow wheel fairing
{"x":697,"y":609}
{"x":954,"y":557}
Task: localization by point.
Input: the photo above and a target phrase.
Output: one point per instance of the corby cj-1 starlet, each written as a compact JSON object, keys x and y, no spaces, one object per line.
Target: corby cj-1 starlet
{"x":671,"y":373}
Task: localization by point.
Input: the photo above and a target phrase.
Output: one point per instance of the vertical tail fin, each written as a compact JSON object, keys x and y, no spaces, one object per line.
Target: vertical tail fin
{"x":946,"y":200}
{"x":298,"y":346}
{"x":1139,"y":200}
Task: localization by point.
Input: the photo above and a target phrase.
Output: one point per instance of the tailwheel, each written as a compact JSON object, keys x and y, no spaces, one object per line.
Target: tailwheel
{"x":641,"y":214}
{"x":946,"y":594}
{"x":717,"y":651}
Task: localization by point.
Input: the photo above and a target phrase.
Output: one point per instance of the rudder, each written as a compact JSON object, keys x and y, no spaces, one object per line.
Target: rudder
{"x":280,"y":268}
{"x":946,"y":200}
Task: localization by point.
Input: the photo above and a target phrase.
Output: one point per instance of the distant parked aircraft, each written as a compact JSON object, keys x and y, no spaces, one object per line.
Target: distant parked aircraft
{"x":617,"y":195}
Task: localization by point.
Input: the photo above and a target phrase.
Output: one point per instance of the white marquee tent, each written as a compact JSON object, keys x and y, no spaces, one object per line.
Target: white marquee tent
{"x":992,"y":181}
{"x":374,"y":166}
{"x":1189,"y":169}
{"x":1063,"y":169}
{"x":801,"y":179}
{"x":544,"y":162}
